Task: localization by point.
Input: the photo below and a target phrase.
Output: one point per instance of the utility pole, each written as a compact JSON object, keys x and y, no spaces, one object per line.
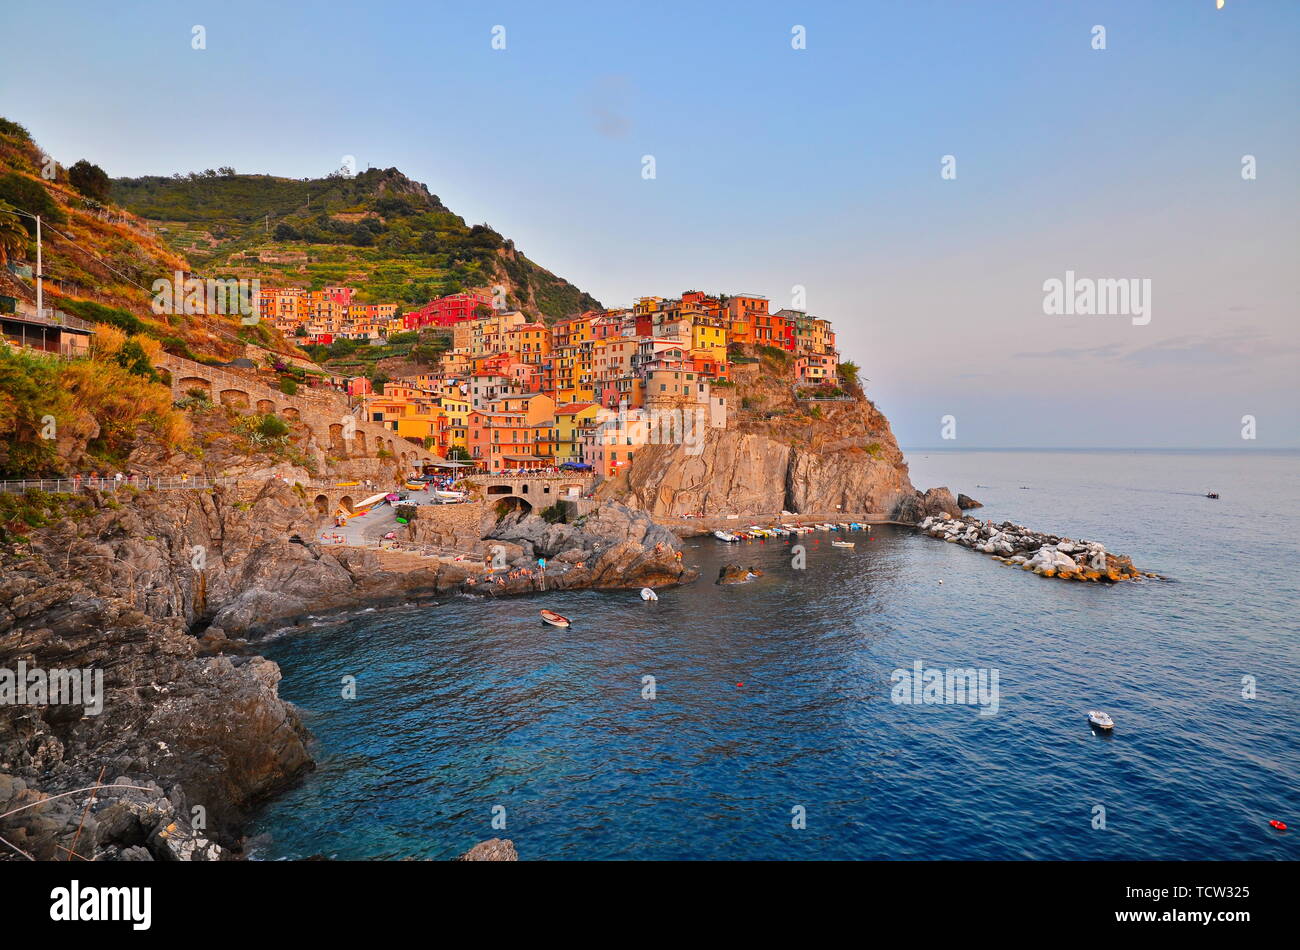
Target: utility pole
{"x":40,"y":277}
{"x":268,"y":222}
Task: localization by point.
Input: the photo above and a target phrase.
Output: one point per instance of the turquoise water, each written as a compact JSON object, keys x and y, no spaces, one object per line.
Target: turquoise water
{"x":776,"y":695}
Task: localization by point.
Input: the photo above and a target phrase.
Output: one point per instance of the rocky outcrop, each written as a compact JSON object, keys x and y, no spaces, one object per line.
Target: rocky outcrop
{"x":1047,"y":555}
{"x":737,"y":574}
{"x":612,"y":547}
{"x":934,"y":502}
{"x":966,"y":502}
{"x":494,"y":849}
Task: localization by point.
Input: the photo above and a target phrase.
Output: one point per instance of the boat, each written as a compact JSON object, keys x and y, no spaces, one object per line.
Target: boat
{"x":1279,"y":825}
{"x":1211,"y":494}
{"x":648,"y":594}
{"x":841,"y":544}
{"x":725,"y":536}
{"x":450,"y":495}
{"x":1100,"y":720}
{"x":554,"y":619}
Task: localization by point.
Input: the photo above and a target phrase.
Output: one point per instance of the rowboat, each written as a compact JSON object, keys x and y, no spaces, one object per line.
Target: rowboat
{"x":725,"y":536}
{"x":648,"y":594}
{"x":841,"y":544}
{"x":554,"y":619}
{"x":1100,"y":720}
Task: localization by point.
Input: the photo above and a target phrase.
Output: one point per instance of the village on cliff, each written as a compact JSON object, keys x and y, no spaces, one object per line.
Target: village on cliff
{"x":513,"y":394}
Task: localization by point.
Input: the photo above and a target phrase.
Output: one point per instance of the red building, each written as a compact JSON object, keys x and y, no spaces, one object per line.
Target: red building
{"x":446,"y":311}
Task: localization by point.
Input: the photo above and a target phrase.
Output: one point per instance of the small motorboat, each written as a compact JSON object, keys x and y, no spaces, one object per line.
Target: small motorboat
{"x":725,"y":535}
{"x":554,"y":619}
{"x":841,"y":544}
{"x":1279,"y":825}
{"x":648,"y":594}
{"x":1211,"y":494}
{"x":1100,"y":720}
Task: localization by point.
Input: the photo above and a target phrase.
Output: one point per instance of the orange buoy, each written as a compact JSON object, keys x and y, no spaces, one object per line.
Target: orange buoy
{"x":1279,"y":825}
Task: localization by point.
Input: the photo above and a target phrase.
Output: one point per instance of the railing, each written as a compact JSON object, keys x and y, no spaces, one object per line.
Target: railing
{"x":139,"y":483}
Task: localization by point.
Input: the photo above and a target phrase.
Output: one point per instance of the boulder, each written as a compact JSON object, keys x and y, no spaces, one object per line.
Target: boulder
{"x":494,"y":849}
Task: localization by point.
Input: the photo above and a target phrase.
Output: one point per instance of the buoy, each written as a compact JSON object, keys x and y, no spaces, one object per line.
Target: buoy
{"x":1279,"y":825}
{"x":941,"y":582}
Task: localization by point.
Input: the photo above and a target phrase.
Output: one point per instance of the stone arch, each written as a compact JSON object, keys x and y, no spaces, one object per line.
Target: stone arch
{"x":289,"y":412}
{"x":336,"y":437}
{"x":500,"y":489}
{"x":346,"y":503}
{"x":265,"y":407}
{"x":359,"y":442}
{"x":322,"y":504}
{"x":194,"y":382}
{"x":512,"y":505}
{"x":235,"y":398}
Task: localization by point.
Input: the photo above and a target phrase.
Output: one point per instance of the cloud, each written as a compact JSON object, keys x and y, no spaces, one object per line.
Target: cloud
{"x":1242,"y":346}
{"x":607,"y":106}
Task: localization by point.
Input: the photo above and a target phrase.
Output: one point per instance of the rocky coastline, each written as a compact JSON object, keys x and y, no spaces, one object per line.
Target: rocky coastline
{"x":160,"y":591}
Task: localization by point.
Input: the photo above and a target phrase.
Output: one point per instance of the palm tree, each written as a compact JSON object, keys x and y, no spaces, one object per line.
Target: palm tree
{"x":13,"y":236}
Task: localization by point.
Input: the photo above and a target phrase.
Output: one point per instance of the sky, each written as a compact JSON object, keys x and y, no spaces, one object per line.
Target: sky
{"x":778,"y":168}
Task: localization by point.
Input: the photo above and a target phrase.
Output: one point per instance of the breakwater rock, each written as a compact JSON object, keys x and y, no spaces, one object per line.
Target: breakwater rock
{"x":1047,"y":555}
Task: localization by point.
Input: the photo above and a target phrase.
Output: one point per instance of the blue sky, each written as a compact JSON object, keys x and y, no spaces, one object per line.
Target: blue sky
{"x":779,"y":167}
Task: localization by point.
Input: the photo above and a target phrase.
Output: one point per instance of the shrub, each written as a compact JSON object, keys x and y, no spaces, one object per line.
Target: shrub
{"x":288,"y":387}
{"x":90,"y":180}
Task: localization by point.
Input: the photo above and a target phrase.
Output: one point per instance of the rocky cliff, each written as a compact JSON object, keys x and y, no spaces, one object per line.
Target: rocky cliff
{"x":778,"y":453}
{"x":141,"y":588}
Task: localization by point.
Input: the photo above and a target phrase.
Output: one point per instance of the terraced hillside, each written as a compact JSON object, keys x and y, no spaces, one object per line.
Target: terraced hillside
{"x":378,"y":231}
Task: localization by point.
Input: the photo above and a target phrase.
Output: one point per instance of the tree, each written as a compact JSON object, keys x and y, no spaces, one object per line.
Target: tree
{"x":285,"y":232}
{"x":91,"y":180}
{"x":13,"y":236}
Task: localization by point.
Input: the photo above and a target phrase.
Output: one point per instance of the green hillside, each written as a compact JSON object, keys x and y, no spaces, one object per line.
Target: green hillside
{"x":377,"y":231}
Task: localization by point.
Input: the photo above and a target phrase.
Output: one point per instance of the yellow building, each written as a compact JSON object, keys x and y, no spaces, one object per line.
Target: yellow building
{"x":709,"y":340}
{"x":566,"y":434}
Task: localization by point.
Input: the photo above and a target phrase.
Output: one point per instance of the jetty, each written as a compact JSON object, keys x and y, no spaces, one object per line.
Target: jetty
{"x":1047,"y":555}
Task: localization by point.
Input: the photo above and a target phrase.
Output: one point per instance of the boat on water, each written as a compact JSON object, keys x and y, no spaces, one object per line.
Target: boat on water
{"x":648,"y":594}
{"x":1100,"y":720}
{"x":554,"y":619}
{"x":1211,"y":494}
{"x":725,"y":535}
{"x":841,"y":544}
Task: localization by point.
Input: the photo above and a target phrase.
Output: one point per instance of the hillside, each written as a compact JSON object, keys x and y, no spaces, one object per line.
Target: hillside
{"x":377,"y":231}
{"x":100,"y":262}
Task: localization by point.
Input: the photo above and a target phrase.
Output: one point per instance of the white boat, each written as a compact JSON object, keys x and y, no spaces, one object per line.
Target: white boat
{"x":1100,"y":720}
{"x":450,"y":495}
{"x":841,"y":544}
{"x":554,"y":619}
{"x":648,"y":594}
{"x":725,"y":536}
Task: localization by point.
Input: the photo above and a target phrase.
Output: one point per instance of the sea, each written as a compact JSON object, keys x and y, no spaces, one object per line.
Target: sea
{"x":778,"y":719}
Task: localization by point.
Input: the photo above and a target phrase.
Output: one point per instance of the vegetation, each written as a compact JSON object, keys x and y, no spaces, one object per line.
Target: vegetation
{"x":377,"y":231}
{"x":20,"y":513}
{"x":94,"y":409}
{"x":90,"y":180}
